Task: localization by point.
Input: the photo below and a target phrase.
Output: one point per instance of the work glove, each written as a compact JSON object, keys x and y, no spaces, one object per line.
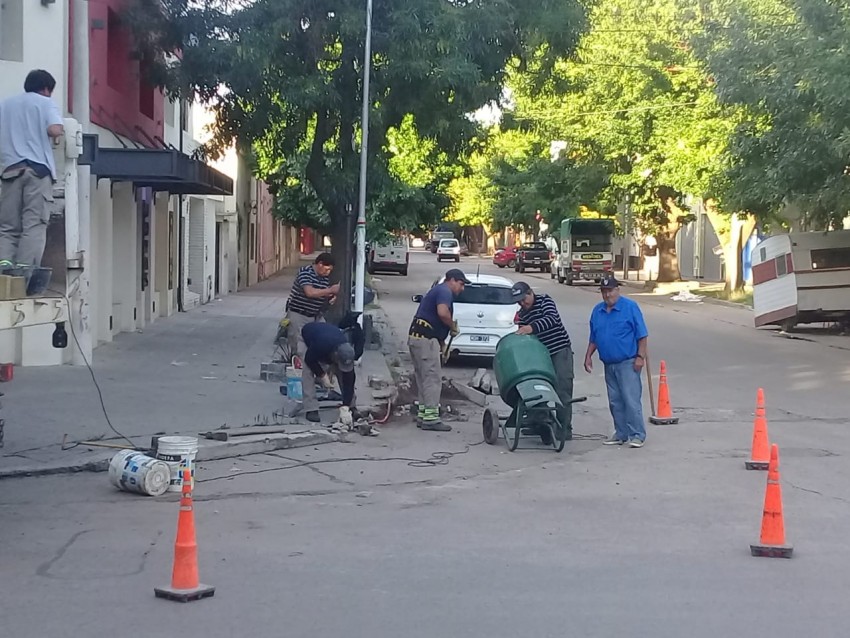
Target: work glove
{"x":326,"y":382}
{"x":455,"y":331}
{"x":345,"y":416}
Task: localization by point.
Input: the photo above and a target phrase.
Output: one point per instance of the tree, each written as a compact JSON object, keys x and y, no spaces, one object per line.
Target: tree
{"x":636,"y":101}
{"x":287,"y":75}
{"x":785,"y":62}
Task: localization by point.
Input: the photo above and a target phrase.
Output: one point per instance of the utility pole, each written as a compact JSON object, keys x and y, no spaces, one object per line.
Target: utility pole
{"x":360,"y":271}
{"x":627,"y":249}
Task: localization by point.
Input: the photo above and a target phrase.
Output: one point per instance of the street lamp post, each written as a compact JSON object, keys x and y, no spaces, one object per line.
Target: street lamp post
{"x":360,"y":271}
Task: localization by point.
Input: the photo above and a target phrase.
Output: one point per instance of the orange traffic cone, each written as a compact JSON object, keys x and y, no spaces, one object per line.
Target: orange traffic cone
{"x":760,"y":456}
{"x":665,"y":413}
{"x":185,"y":585}
{"x":772,"y":541}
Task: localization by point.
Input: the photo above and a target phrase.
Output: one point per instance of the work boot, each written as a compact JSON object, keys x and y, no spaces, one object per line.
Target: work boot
{"x":431,"y":421}
{"x":420,"y":415}
{"x":313,"y":417}
{"x":436,"y":426}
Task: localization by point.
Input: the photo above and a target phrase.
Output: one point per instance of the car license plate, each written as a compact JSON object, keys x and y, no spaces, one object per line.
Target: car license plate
{"x":480,"y":338}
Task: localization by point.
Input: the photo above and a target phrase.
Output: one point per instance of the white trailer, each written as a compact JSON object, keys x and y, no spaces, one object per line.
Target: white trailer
{"x":802,"y":278}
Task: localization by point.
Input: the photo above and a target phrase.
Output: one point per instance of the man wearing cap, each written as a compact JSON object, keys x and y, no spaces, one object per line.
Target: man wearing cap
{"x":538,"y":316}
{"x":328,"y":346}
{"x":618,"y":333}
{"x":429,"y":329}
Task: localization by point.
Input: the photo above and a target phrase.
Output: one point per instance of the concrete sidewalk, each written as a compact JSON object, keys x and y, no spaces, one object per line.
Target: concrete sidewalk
{"x":186,"y":374}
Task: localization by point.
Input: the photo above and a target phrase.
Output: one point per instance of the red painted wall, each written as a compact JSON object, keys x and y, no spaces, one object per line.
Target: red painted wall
{"x":120,"y":99}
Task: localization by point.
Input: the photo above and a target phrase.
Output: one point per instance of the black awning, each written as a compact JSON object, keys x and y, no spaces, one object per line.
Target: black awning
{"x":160,"y":169}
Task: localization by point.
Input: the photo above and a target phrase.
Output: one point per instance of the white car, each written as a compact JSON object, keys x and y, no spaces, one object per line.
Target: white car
{"x":485,"y":312}
{"x":448,"y":249}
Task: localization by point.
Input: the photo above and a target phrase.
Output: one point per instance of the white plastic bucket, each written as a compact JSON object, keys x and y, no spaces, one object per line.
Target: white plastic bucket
{"x":178,"y":452}
{"x":293,"y":384}
{"x":134,"y":471}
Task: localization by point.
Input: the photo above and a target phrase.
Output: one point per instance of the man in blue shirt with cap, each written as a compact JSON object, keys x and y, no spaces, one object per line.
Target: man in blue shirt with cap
{"x":618,"y":333}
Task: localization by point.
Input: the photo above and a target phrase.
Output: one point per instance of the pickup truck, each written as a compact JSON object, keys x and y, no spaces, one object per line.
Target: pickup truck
{"x":533,"y":255}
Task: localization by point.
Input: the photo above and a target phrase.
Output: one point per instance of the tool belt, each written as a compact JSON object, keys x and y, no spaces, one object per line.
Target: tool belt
{"x":421,"y":329}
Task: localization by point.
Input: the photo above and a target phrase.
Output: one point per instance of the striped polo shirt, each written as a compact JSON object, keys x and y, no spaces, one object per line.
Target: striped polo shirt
{"x":301,"y":303}
{"x":546,"y":323}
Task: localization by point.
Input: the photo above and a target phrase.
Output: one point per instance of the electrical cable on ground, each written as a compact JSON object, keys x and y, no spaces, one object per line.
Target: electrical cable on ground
{"x":436,"y":459}
{"x":93,"y":377}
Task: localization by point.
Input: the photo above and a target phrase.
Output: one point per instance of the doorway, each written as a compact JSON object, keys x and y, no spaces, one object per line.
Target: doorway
{"x":218,"y":253}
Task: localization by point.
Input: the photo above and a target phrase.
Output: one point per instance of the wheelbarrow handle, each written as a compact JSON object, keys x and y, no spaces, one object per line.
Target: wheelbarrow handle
{"x":579,"y":400}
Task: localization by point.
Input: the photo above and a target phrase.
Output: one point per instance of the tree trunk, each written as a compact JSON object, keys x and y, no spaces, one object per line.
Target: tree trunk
{"x":668,"y":259}
{"x":741,"y":229}
{"x":733,"y":233}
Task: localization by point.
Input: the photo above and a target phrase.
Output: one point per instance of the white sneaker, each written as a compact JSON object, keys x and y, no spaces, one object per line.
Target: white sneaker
{"x":635,"y":443}
{"x":613,"y":440}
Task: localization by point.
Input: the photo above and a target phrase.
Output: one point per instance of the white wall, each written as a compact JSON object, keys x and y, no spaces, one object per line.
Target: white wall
{"x":44,"y":39}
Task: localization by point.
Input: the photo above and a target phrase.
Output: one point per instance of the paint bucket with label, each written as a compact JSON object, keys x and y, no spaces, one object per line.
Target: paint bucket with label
{"x":293,"y":384}
{"x":134,"y":471}
{"x":178,"y":452}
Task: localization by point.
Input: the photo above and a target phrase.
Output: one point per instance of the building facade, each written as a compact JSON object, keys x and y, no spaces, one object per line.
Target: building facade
{"x":141,"y":229}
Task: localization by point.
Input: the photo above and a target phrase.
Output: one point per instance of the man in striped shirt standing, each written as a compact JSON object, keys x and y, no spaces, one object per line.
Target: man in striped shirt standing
{"x":538,"y":316}
{"x":311,"y":293}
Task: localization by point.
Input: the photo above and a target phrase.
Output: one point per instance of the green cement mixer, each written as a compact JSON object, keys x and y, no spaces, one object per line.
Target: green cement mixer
{"x":526,"y":379}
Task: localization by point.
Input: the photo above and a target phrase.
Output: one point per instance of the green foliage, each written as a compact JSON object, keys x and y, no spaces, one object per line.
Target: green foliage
{"x":636,"y":102}
{"x":286,"y":76}
{"x":785,"y":62}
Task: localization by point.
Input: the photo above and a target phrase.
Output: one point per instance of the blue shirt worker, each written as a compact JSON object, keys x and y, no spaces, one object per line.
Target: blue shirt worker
{"x":430,"y":327}
{"x":311,"y":293}
{"x":29,"y":122}
{"x":328,"y":349}
{"x":539,"y":316}
{"x":618,"y":333}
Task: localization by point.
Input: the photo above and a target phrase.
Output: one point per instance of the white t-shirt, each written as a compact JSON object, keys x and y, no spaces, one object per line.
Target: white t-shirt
{"x":24,"y":120}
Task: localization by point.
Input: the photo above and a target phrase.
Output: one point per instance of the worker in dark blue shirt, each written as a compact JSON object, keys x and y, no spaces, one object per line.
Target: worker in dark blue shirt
{"x":430,"y":327}
{"x":327,"y":347}
{"x":618,"y":333}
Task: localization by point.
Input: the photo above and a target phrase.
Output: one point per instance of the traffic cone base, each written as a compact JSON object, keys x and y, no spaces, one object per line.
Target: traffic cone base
{"x":772,"y":551}
{"x":184,"y":595}
{"x":657,"y":420}
{"x":665,"y":412}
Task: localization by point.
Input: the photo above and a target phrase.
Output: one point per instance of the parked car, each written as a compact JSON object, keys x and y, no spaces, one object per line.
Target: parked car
{"x":448,"y":249}
{"x":464,"y":249}
{"x":505,"y":257}
{"x":485,"y":312}
{"x":392,"y":255}
{"x":533,"y":255}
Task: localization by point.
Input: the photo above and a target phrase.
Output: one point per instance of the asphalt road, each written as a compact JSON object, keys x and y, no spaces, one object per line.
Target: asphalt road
{"x":594,"y":542}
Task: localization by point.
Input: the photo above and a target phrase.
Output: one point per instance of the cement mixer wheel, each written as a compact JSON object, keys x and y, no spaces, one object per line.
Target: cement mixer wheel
{"x":490,"y":426}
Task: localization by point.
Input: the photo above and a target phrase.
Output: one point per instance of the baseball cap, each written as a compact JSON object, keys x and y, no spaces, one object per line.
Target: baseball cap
{"x":345,"y":357}
{"x":520,"y":290}
{"x":457,"y":275}
{"x":610,"y":282}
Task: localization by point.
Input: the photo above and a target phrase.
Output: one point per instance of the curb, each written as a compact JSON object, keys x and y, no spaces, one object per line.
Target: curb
{"x":207,"y":451}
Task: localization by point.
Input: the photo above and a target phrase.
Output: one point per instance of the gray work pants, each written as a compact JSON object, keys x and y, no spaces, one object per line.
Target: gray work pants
{"x":426,"y":367}
{"x":25,"y":205}
{"x":563,"y":362}
{"x":298,"y":347}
